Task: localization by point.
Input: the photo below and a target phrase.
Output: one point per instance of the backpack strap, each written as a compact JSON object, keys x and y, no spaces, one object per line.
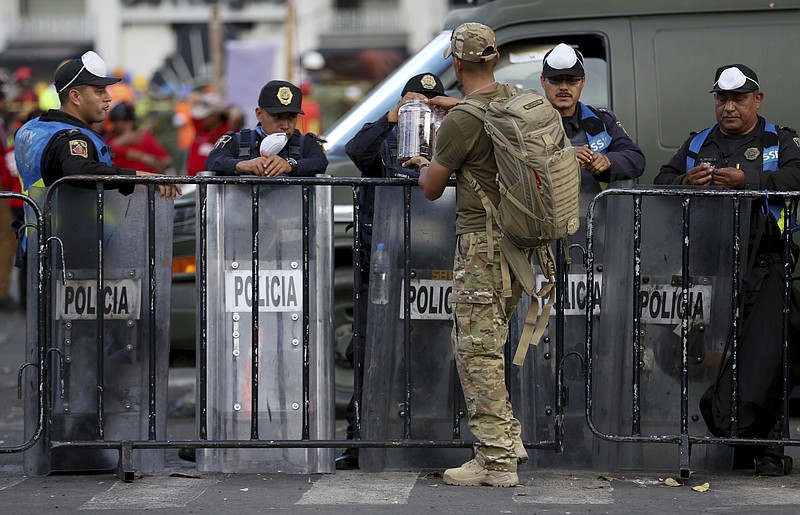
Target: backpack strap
{"x":534,"y":329}
{"x":491,"y":213}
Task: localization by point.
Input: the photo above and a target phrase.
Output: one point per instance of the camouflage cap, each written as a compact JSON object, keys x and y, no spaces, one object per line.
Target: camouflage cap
{"x":472,"y":42}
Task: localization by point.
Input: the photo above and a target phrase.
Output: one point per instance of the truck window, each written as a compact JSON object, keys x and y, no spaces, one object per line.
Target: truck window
{"x":521,"y":64}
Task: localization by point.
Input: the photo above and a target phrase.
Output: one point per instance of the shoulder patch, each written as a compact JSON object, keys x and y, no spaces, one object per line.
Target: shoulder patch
{"x":78,"y":147}
{"x":223,"y":140}
{"x":796,"y":141}
{"x":619,"y":124}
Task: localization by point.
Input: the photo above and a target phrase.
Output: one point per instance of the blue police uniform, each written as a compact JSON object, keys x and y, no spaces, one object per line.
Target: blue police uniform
{"x":232,"y":148}
{"x":769,"y":156}
{"x":603,"y":132}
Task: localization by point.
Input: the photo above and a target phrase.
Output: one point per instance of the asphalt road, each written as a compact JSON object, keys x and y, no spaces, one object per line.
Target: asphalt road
{"x":180,"y":488}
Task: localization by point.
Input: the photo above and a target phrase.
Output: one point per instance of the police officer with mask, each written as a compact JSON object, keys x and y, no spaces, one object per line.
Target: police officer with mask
{"x":605,"y":151}
{"x":745,"y":151}
{"x":240,"y":153}
{"x":61,"y":142}
{"x":373,"y":149}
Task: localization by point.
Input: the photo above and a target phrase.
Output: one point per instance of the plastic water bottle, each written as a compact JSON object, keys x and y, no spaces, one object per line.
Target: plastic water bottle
{"x":379,"y":279}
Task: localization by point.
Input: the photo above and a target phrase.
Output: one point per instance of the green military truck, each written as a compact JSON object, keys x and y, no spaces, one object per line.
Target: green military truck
{"x":651,"y":62}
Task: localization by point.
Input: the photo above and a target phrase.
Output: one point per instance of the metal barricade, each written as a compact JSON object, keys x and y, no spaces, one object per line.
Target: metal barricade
{"x":552,"y":378}
{"x":106,"y":288}
{"x":672,"y":265}
{"x":33,"y":364}
{"x":421,"y":400}
{"x":268,"y":360}
{"x":667,"y":305}
{"x":415,"y":397}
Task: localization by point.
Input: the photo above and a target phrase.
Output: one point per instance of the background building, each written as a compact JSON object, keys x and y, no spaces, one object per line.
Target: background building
{"x":169,"y":48}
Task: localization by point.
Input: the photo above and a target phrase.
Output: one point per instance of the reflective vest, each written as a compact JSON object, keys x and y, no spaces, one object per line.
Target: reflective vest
{"x":31,"y":141}
{"x":599,"y":141}
{"x":769,"y":164}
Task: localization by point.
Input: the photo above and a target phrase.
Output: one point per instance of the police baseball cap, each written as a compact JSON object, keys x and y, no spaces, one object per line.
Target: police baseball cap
{"x":735,"y":78}
{"x":471,"y":41}
{"x":425,"y":83}
{"x":563,"y":60}
{"x":279,"y":96}
{"x":90,"y":70}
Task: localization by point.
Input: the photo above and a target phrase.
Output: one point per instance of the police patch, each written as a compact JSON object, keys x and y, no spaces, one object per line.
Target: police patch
{"x":78,"y":147}
{"x":796,"y":141}
{"x":225,"y":138}
{"x":752,"y":153}
{"x":619,"y":124}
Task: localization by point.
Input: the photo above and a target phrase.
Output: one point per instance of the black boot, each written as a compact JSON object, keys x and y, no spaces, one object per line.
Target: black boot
{"x":348,"y":460}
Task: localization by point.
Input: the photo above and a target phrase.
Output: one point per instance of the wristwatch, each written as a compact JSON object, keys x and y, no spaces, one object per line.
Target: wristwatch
{"x":293,"y":163}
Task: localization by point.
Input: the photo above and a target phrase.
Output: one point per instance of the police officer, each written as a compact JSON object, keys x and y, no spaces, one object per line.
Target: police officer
{"x":239,"y":153}
{"x":605,"y":151}
{"x":745,"y":151}
{"x":61,"y":142}
{"x":373,"y":149}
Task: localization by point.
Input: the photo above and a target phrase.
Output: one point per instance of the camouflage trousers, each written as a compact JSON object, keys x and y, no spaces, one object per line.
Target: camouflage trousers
{"x":479,"y":335}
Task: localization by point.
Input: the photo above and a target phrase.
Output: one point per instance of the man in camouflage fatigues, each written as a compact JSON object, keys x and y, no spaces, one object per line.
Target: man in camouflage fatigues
{"x":481,"y":306}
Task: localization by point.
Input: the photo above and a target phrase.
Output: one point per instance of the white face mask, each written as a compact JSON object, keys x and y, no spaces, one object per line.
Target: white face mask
{"x":733,"y":78}
{"x":92,"y":63}
{"x":562,"y":57}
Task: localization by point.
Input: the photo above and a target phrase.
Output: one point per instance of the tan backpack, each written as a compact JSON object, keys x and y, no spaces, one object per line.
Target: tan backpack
{"x":539,"y":181}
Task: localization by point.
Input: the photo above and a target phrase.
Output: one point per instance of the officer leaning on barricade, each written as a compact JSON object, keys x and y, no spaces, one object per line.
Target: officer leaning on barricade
{"x":61,"y":142}
{"x":744,"y":151}
{"x":373,"y":150}
{"x":290,"y":152}
{"x":602,"y":145}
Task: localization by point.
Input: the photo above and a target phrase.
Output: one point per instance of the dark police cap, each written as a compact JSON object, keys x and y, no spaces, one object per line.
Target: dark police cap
{"x":424,"y":83}
{"x":90,"y":70}
{"x":563,"y":60}
{"x":735,"y":78}
{"x":279,"y":96}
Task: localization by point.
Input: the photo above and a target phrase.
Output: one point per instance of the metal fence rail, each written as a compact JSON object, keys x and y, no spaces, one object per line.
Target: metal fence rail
{"x":683,"y":438}
{"x":51,"y":356}
{"x":35,"y":223}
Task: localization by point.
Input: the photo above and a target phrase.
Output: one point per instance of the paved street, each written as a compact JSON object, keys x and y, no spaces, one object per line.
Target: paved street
{"x":181,"y":489}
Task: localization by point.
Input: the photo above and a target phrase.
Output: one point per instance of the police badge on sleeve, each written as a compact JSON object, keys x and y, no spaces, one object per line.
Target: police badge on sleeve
{"x":78,"y":147}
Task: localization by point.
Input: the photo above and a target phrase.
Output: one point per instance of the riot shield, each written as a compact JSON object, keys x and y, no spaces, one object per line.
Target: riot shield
{"x":532,"y":387}
{"x":433,"y":386}
{"x":711,"y":262}
{"x":99,"y":383}
{"x":275,"y":386}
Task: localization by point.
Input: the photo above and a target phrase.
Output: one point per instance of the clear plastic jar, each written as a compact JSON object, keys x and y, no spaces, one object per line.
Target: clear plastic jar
{"x":415,"y":131}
